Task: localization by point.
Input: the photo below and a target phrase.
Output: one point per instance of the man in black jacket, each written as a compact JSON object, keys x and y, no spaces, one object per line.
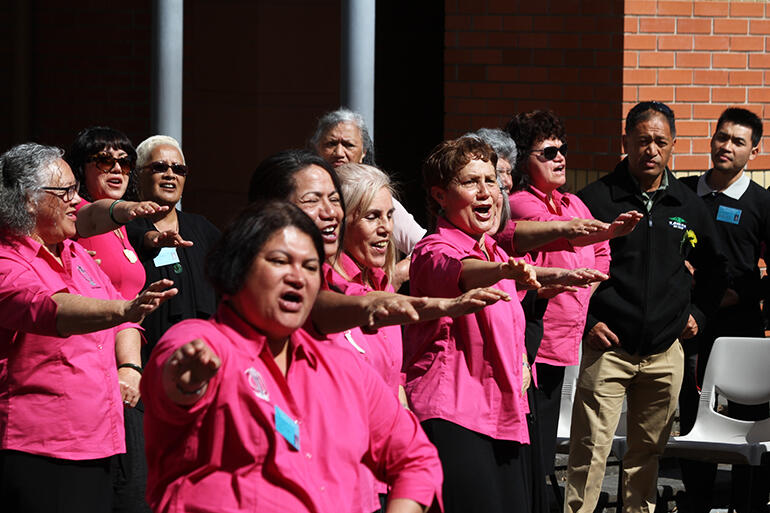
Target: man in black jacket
{"x":637,"y":318}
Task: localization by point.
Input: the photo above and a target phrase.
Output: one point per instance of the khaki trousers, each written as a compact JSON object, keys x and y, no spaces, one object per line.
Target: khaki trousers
{"x":651,"y":385}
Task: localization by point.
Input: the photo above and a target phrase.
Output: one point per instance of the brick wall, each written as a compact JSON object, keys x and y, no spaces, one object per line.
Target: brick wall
{"x":590,"y":61}
{"x":699,"y":57}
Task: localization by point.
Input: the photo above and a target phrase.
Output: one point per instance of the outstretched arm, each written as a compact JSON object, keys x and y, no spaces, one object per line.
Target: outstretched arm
{"x":105,"y":215}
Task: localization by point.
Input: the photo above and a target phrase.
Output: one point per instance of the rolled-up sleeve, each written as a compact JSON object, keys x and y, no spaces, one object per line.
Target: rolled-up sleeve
{"x":25,"y":301}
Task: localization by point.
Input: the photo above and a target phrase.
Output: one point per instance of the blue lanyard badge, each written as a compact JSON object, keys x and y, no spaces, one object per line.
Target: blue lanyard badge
{"x":288,"y":428}
{"x":166,"y":256}
{"x":729,"y":215}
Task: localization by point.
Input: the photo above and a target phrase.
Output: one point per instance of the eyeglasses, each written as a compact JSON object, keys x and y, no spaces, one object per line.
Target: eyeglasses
{"x":63,"y":193}
{"x":160,"y":167}
{"x":549,"y":152}
{"x":106,"y":162}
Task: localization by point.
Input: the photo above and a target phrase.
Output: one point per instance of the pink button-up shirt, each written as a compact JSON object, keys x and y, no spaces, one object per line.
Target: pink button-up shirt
{"x":467,"y":370}
{"x":59,"y":396}
{"x":224,"y":454}
{"x":383,"y":349}
{"x":565,"y":316}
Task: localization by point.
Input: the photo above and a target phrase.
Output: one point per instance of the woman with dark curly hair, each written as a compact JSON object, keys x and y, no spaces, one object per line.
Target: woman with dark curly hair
{"x":539,"y":177}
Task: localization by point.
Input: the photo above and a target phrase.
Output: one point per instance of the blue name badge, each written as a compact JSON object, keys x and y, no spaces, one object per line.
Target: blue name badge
{"x":288,"y":428}
{"x":729,"y":215}
{"x":167,"y":256}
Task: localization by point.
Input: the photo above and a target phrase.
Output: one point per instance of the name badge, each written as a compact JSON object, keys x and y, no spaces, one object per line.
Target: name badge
{"x":167,"y":256}
{"x":729,"y":215}
{"x":287,"y":427}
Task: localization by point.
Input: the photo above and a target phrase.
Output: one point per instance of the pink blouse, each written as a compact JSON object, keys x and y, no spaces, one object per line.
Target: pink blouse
{"x":467,"y":370}
{"x":59,"y":396}
{"x":116,"y":255}
{"x":565,"y":316}
{"x":382,"y":350}
{"x":231,"y":451}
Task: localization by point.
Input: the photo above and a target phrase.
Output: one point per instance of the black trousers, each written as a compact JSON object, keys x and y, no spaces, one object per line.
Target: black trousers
{"x":481,"y":474}
{"x":129,"y":476}
{"x":548,"y":394}
{"x":38,"y":484}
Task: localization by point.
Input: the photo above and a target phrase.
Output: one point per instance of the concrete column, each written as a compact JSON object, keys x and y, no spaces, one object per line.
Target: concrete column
{"x":357,"y":70}
{"x":167,"y":44}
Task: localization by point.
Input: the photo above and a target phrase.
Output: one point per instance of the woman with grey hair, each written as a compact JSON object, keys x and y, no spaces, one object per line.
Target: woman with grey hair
{"x":63,"y":331}
{"x":505,"y":149}
{"x":342,"y":137}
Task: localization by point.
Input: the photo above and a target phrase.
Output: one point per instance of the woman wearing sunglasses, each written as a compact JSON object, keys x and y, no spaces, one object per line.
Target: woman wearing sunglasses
{"x":171,"y":244}
{"x":539,"y":177}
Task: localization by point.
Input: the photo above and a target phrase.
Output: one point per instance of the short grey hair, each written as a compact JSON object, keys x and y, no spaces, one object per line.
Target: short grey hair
{"x":24,"y":170}
{"x":146,"y":147}
{"x":343,"y":115}
{"x":500,"y":142}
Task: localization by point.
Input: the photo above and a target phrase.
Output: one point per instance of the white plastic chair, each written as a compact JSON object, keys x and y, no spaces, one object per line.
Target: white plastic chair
{"x":738,"y":370}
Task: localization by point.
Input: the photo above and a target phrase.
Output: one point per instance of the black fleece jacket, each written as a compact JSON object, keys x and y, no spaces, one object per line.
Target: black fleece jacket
{"x":650,"y":293}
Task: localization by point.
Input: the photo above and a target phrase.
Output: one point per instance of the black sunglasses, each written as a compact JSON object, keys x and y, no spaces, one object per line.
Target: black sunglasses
{"x":105,"y":162}
{"x":549,"y":152}
{"x":160,"y":167}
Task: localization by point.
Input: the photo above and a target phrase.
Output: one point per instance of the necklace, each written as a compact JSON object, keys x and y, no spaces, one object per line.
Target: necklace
{"x":128,"y":253}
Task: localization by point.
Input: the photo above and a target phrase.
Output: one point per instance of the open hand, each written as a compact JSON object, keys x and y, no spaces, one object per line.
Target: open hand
{"x":148,"y":300}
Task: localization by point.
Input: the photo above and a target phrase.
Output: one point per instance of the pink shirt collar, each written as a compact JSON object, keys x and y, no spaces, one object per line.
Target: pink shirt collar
{"x":559,"y":199}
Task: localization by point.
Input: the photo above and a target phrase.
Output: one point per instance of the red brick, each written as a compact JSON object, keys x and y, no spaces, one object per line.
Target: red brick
{"x":681,"y":111}
{"x":683,"y":144}
{"x":745,"y":78}
{"x":450,"y":72}
{"x":709,"y":77}
{"x":534,"y":74}
{"x":457,"y":56}
{"x":519,"y":56}
{"x":701,"y":145}
{"x":516,"y":90}
{"x":747,"y":43}
{"x":692,"y":128}
{"x":675,"y":42}
{"x":596,"y":41}
{"x":728,"y":94}
{"x":711,"y":42}
{"x":503,"y":39}
{"x":450,"y":39}
{"x":660,"y":93}
{"x":656,"y":59}
{"x":693,"y":94}
{"x":692,"y":60}
{"x":639,"y":42}
{"x":761,"y":162}
{"x":678,"y":8}
{"x":709,"y":111}
{"x":731,"y":26}
{"x":630,"y":24}
{"x":487,"y":56}
{"x":693,"y":26}
{"x":630,"y":93}
{"x":503,"y":73}
{"x":472,"y":39}
{"x":630,"y":59}
{"x":638,"y":76}
{"x":691,"y":162}
{"x":659,"y":25}
{"x":639,"y":7}
{"x":549,"y":23}
{"x":517,"y":23}
{"x":606,"y":59}
{"x":766,"y":77}
{"x":711,"y":9}
{"x":759,"y":27}
{"x":487,"y":23}
{"x":747,"y":9}
{"x":565,"y":40}
{"x":534,"y":40}
{"x":503,"y":6}
{"x":759,"y":94}
{"x":674,"y":76}
{"x":729,"y":60}
{"x":471,"y":73}
{"x":759,"y":60}
{"x":457,"y":22}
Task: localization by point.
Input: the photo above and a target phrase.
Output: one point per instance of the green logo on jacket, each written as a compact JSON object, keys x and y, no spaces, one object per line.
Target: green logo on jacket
{"x":678,"y":223}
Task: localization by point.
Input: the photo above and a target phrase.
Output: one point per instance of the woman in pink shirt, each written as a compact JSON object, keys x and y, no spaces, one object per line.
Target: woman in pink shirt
{"x":62,"y":326}
{"x":249,"y":412}
{"x":538,"y":179}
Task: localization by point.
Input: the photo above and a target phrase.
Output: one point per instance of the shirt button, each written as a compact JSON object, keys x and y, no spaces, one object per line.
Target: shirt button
{"x":308,"y":455}
{"x":323,"y":488}
{"x":99,"y":347}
